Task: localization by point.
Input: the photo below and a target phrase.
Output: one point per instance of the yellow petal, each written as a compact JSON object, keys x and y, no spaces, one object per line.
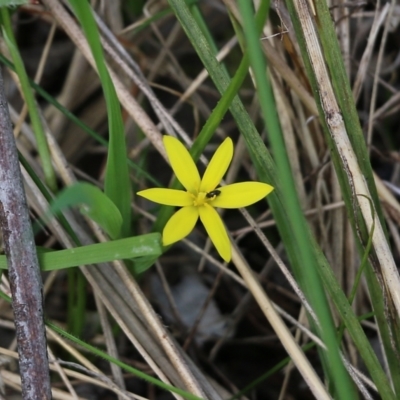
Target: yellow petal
{"x":169,"y":197}
{"x":216,"y":230}
{"x":182,"y":163}
{"x":241,"y":194}
{"x":217,"y":167}
{"x":180,"y":225}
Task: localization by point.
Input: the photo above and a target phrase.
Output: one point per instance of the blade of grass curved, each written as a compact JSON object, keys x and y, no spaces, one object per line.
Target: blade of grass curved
{"x":93,"y":203}
{"x":117,"y":184}
{"x":37,"y":126}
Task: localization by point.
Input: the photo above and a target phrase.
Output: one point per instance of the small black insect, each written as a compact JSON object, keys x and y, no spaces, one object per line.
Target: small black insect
{"x":213,"y":193}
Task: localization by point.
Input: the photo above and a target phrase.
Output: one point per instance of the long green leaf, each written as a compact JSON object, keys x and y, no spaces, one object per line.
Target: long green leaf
{"x":122,"y":249}
{"x":117,"y":184}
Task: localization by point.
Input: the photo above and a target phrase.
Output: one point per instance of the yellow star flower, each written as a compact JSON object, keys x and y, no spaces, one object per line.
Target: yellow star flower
{"x":202,"y":195}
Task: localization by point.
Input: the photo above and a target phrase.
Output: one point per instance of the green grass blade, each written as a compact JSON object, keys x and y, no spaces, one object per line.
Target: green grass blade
{"x":117,"y":184}
{"x":121,"y":249}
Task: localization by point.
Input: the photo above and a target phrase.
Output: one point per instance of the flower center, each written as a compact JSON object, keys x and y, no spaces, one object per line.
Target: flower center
{"x":203,"y":197}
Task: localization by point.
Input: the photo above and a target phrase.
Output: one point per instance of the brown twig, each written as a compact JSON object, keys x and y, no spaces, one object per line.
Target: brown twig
{"x":23,"y":266}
